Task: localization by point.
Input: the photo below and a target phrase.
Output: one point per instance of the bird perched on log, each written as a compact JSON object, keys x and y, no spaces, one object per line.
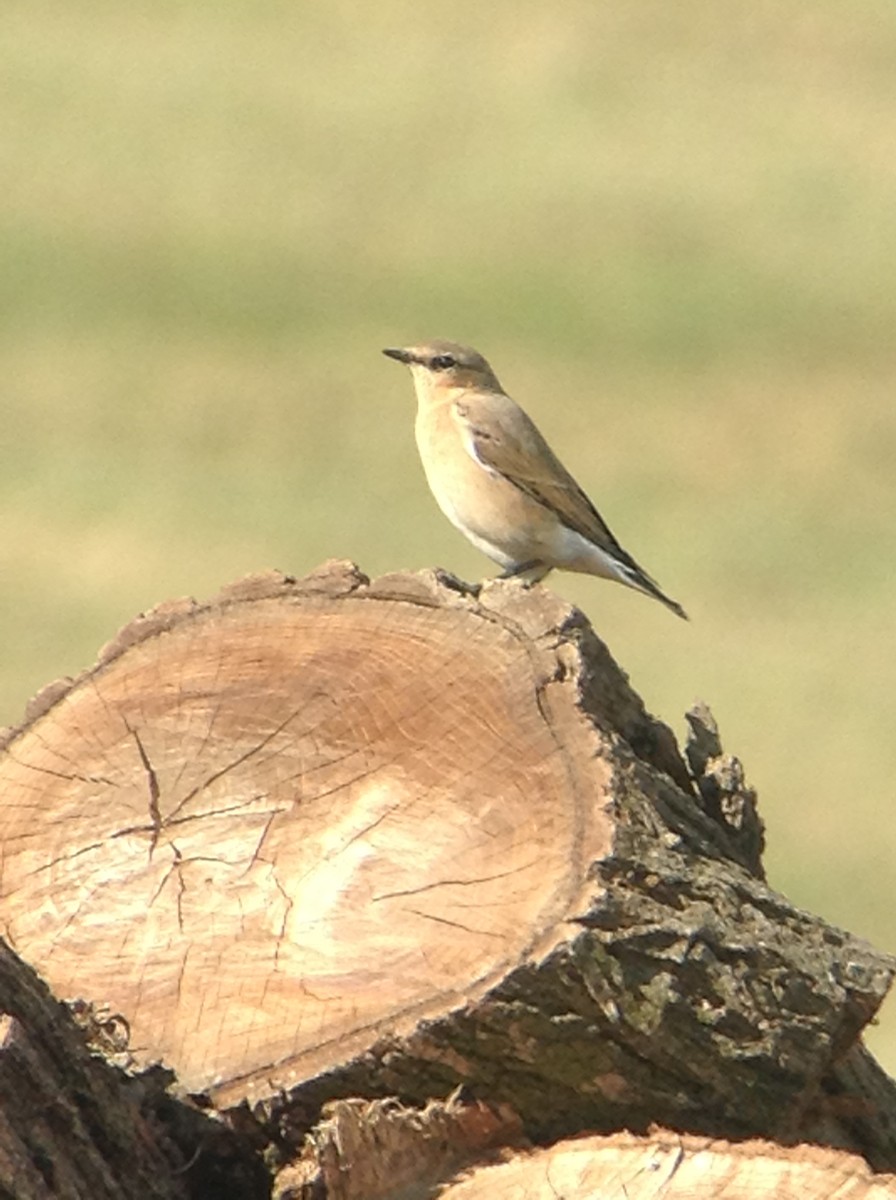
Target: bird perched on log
{"x":498,"y":481}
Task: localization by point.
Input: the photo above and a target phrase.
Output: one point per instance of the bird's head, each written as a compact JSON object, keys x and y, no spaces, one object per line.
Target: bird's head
{"x":439,"y":366}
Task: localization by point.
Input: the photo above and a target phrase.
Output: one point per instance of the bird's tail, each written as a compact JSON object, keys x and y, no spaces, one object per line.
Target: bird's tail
{"x":635,"y":578}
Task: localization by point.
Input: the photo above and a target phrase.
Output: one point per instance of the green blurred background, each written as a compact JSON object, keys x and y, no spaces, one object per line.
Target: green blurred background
{"x":670,"y":226}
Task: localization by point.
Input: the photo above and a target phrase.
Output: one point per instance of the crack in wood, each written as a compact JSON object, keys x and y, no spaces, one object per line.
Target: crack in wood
{"x":488,"y":933}
{"x":155,"y":814}
{"x":68,"y":776}
{"x":443,"y":883}
{"x":232,"y":766}
{"x":68,"y":857}
{"x":290,"y":904}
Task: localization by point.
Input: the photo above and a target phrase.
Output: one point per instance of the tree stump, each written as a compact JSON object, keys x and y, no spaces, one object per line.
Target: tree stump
{"x":334,"y":838}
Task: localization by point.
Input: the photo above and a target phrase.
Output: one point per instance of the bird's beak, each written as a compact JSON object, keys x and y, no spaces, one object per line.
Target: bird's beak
{"x":402,"y":356}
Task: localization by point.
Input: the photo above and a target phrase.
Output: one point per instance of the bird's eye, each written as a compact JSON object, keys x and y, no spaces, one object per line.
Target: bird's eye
{"x":442,"y":362}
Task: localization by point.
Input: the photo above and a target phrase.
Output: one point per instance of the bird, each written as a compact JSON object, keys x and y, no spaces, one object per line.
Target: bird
{"x":498,"y":481}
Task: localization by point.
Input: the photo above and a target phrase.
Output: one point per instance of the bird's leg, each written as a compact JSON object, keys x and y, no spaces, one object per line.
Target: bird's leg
{"x":529,"y":572}
{"x":518,"y":569}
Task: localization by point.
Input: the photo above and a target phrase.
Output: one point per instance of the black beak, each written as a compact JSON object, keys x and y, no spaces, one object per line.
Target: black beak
{"x":402,"y":356}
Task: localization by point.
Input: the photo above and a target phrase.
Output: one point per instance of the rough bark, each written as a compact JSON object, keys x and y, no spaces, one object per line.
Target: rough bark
{"x":336,"y":838}
{"x":75,"y":1126}
{"x":69,"y":1128}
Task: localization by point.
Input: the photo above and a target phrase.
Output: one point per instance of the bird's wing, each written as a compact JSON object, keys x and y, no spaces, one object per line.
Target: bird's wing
{"x":499,"y":435}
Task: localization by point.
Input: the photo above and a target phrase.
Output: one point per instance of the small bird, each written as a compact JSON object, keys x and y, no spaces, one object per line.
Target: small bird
{"x":498,"y":481}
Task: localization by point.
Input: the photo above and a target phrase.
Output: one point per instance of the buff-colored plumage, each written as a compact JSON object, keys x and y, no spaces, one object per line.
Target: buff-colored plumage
{"x":496,"y":478}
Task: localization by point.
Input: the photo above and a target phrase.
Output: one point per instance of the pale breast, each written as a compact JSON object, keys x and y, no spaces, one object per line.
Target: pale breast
{"x":501,"y":520}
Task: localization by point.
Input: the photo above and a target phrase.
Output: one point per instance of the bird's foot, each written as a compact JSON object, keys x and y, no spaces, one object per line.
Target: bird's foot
{"x":455,"y":583}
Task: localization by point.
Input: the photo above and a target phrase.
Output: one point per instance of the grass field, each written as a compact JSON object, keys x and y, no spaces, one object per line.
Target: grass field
{"x":671,"y":228}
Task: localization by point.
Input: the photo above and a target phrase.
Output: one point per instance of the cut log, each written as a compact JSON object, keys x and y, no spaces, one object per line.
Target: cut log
{"x":338,"y":838}
{"x":669,"y":1167}
{"x":378,"y":1150}
{"x":262,"y":829}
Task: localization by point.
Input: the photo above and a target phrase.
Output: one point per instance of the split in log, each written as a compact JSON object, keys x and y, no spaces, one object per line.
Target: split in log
{"x":335,"y":838}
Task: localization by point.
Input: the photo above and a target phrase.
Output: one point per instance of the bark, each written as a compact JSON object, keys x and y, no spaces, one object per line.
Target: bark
{"x":341,"y":838}
{"x":69,"y":1128}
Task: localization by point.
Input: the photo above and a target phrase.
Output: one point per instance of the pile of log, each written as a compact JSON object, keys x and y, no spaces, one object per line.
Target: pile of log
{"x":340,"y":888}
